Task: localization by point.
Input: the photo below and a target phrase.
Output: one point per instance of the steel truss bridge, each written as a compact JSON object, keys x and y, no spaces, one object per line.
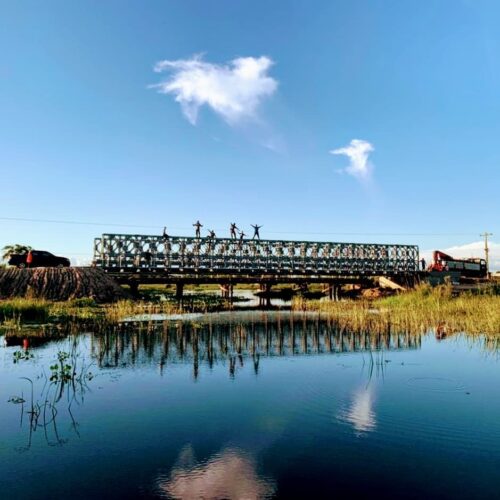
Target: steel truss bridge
{"x":135,"y":258}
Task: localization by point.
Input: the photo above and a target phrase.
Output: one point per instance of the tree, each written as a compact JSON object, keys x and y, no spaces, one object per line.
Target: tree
{"x":9,"y":250}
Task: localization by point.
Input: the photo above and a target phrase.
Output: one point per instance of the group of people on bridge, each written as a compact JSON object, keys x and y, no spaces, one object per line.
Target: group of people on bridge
{"x":234,"y":231}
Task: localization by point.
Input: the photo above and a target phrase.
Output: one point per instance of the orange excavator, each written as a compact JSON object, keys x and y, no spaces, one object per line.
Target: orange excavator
{"x":470,"y":268}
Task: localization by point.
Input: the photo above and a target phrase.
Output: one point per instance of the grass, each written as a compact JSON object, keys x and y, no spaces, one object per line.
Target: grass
{"x":416,"y":311}
{"x":20,"y":311}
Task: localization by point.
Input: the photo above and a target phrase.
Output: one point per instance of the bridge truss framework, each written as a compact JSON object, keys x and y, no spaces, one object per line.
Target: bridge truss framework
{"x":198,"y":260}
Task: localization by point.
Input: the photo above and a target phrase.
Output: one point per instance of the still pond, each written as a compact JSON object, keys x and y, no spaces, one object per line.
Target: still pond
{"x":248,"y":405}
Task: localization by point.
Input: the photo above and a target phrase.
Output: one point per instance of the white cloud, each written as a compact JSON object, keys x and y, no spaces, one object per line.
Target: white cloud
{"x":360,"y":413}
{"x":357,"y":151}
{"x":475,"y":249}
{"x":228,"y":474}
{"x":234,"y":90}
{"x":81,"y":261}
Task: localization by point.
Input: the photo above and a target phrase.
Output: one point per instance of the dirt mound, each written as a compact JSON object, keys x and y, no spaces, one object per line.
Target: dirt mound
{"x":59,"y":284}
{"x":377,"y":293}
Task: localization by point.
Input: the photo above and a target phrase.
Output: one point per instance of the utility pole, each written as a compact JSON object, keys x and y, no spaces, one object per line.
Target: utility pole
{"x":486,"y":250}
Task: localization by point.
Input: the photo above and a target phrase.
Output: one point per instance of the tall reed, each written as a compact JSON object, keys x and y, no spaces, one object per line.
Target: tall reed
{"x":416,"y":311}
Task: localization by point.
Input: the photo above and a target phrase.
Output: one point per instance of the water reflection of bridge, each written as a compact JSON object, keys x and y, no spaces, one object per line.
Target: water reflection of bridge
{"x":235,"y":344}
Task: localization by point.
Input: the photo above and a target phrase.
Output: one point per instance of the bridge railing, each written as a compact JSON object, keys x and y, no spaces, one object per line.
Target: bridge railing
{"x":123,"y":252}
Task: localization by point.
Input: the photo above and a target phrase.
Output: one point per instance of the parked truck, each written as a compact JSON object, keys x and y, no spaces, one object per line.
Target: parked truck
{"x":469,"y":268}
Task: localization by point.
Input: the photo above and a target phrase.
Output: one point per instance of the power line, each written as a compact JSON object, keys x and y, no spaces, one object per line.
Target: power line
{"x":143,"y":226}
{"x":73,"y":222}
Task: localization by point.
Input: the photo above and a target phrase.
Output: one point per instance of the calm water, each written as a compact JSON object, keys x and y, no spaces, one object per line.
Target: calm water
{"x":250,"y":405}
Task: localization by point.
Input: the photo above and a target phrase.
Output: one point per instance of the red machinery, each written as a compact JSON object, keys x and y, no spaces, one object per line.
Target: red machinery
{"x":471,"y":268}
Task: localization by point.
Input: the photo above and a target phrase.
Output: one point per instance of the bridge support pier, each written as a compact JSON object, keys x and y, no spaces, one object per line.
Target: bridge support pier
{"x":179,"y":291}
{"x":227,"y":291}
{"x":265,"y":297}
{"x":134,"y":288}
{"x":333,"y":291}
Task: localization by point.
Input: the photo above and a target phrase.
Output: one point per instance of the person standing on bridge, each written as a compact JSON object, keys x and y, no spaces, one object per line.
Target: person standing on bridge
{"x":256,"y":231}
{"x":165,"y":235}
{"x":232,"y":230}
{"x":211,"y":234}
{"x":422,"y":263}
{"x":242,"y":236}
{"x":198,"y":225}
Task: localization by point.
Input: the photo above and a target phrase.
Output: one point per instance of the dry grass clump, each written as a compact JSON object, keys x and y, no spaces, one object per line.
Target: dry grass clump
{"x":416,"y":311}
{"x":128,"y":308}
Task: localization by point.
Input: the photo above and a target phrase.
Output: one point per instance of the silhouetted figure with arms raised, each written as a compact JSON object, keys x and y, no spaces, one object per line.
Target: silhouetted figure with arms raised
{"x":256,"y":231}
{"x":232,"y":230}
{"x":198,"y":225}
{"x":211,"y":234}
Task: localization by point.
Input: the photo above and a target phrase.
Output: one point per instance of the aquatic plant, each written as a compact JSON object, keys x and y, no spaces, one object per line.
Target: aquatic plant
{"x":22,"y":356}
{"x":417,"y":311}
{"x":69,"y":376}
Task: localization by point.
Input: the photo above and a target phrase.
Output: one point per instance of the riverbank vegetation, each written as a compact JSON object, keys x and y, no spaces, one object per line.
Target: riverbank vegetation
{"x":419,"y":310}
{"x":21,"y":311}
{"x":415,"y":311}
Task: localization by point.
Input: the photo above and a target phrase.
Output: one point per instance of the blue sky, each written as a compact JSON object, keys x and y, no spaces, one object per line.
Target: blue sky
{"x":86,"y":136}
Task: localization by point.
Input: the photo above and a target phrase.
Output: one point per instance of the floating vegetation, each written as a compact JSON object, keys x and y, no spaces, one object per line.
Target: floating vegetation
{"x":22,"y":356}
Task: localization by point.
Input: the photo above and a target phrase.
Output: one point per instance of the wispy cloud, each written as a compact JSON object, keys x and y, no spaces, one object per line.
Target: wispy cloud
{"x":357,"y":151}
{"x":233,"y":90}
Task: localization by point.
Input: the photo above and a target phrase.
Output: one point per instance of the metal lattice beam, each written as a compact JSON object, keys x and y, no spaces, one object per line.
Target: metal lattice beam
{"x":183,"y":255}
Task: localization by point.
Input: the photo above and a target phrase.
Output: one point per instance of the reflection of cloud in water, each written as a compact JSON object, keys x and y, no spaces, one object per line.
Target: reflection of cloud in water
{"x":229,"y":474}
{"x":360,"y":413}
